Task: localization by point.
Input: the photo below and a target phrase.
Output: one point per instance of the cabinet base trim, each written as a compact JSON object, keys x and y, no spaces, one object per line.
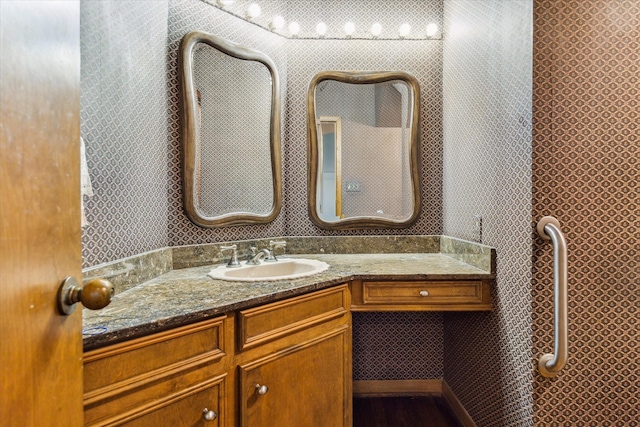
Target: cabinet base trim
{"x":397,"y":387}
{"x":456,"y":406}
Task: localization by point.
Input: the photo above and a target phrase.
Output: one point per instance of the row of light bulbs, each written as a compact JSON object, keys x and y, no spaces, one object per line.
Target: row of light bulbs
{"x":278,"y":22}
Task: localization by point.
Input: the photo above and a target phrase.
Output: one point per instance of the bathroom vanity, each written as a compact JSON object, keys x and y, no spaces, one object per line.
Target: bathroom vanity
{"x":253,"y":367}
{"x":185,"y":349}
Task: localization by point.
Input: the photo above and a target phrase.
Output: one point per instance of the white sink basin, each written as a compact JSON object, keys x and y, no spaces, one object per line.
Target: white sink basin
{"x":291,"y":268}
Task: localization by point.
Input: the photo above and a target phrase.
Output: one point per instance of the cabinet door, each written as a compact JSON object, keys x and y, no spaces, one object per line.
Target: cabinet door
{"x":304,"y":385}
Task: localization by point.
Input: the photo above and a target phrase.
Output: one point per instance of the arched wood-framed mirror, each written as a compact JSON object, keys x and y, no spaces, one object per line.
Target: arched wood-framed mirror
{"x":376,"y":171}
{"x":231,"y":155}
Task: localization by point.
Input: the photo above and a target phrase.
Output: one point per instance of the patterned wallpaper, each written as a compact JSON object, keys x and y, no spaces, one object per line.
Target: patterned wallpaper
{"x":397,"y":346}
{"x":586,"y":140}
{"x":487,"y":172}
{"x":124,"y":125}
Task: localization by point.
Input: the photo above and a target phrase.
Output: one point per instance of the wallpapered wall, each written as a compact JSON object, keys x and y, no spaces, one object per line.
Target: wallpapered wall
{"x":487,"y":172}
{"x":112,"y":157}
{"x":476,"y":160}
{"x":134,"y":152}
{"x":124,"y":109}
{"x":419,"y":335}
{"x":422,"y":59}
{"x":190,"y":15}
{"x":586,"y":140}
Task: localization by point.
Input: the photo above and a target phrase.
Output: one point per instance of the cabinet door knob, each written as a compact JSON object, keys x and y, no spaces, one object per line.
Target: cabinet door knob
{"x":94,"y":295}
{"x":262,"y":389}
{"x":424,"y":293}
{"x":209,"y":415}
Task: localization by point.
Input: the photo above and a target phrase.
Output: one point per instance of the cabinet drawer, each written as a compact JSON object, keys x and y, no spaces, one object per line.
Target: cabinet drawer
{"x":272,"y":321}
{"x":438,"y":293}
{"x":175,"y":406}
{"x":137,"y":362}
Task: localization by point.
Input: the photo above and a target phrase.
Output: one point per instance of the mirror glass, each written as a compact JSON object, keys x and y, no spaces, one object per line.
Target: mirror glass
{"x":231,"y":133}
{"x":363,"y":150}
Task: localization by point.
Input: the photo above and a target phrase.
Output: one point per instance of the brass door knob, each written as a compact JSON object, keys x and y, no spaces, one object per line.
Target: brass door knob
{"x":94,"y":295}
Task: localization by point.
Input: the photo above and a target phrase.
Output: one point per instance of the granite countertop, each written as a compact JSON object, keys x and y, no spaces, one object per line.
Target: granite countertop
{"x":188,"y":295}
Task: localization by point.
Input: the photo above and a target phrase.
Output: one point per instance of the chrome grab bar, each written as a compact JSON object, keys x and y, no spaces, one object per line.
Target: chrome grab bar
{"x":550,"y":365}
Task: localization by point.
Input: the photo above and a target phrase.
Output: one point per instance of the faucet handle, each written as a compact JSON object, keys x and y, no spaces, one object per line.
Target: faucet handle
{"x":233,"y":261}
{"x":252,"y":252}
{"x":273,"y":245}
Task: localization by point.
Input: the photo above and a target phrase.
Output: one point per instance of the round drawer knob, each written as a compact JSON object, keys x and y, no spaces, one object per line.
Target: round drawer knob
{"x":262,"y":389}
{"x":209,"y":415}
{"x":424,"y":293}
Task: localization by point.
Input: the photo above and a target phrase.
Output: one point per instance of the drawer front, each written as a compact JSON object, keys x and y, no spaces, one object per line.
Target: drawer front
{"x":428,"y":293}
{"x":272,"y":321}
{"x":143,"y":360}
{"x":182,"y":407}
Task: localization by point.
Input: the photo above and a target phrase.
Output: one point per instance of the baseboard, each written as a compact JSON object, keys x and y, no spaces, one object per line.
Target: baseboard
{"x":456,"y":406}
{"x":397,"y":387}
{"x":415,"y":388}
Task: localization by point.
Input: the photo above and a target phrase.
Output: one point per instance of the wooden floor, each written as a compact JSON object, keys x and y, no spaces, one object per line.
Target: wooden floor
{"x":418,"y":411}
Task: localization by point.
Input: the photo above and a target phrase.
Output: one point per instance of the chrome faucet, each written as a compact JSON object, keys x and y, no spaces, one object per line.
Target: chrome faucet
{"x":254,"y":258}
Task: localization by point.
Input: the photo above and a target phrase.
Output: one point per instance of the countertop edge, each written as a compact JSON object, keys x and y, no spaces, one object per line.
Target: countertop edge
{"x":97,"y":341}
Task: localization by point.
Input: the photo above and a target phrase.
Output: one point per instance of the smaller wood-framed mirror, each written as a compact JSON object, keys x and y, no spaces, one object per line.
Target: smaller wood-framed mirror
{"x":363,"y":150}
{"x":231,"y":156}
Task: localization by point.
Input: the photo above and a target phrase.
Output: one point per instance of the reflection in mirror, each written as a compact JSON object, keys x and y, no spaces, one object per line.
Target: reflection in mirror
{"x":363,"y":150}
{"x":329,"y":164}
{"x":231,"y":133}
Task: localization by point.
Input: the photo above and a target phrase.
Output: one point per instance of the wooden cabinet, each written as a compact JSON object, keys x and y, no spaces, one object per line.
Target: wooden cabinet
{"x":421,"y":295}
{"x":286,"y":363}
{"x":297,"y":351}
{"x":168,"y":378}
{"x":300,"y":374}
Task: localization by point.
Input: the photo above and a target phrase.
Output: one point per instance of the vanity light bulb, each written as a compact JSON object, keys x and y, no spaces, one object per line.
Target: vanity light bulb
{"x":349,"y":28}
{"x":376,"y":29}
{"x":253,"y":11}
{"x":404,"y":30}
{"x":321,"y":29}
{"x":294,"y":28}
{"x":277,"y":23}
{"x":432,"y":29}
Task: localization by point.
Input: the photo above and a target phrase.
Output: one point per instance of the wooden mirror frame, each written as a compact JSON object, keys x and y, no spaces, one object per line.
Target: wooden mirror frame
{"x":361,"y":222}
{"x":191,"y":132}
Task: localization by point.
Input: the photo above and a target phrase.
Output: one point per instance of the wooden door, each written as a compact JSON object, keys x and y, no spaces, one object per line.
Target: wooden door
{"x":300,"y":386}
{"x":40,"y":350}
